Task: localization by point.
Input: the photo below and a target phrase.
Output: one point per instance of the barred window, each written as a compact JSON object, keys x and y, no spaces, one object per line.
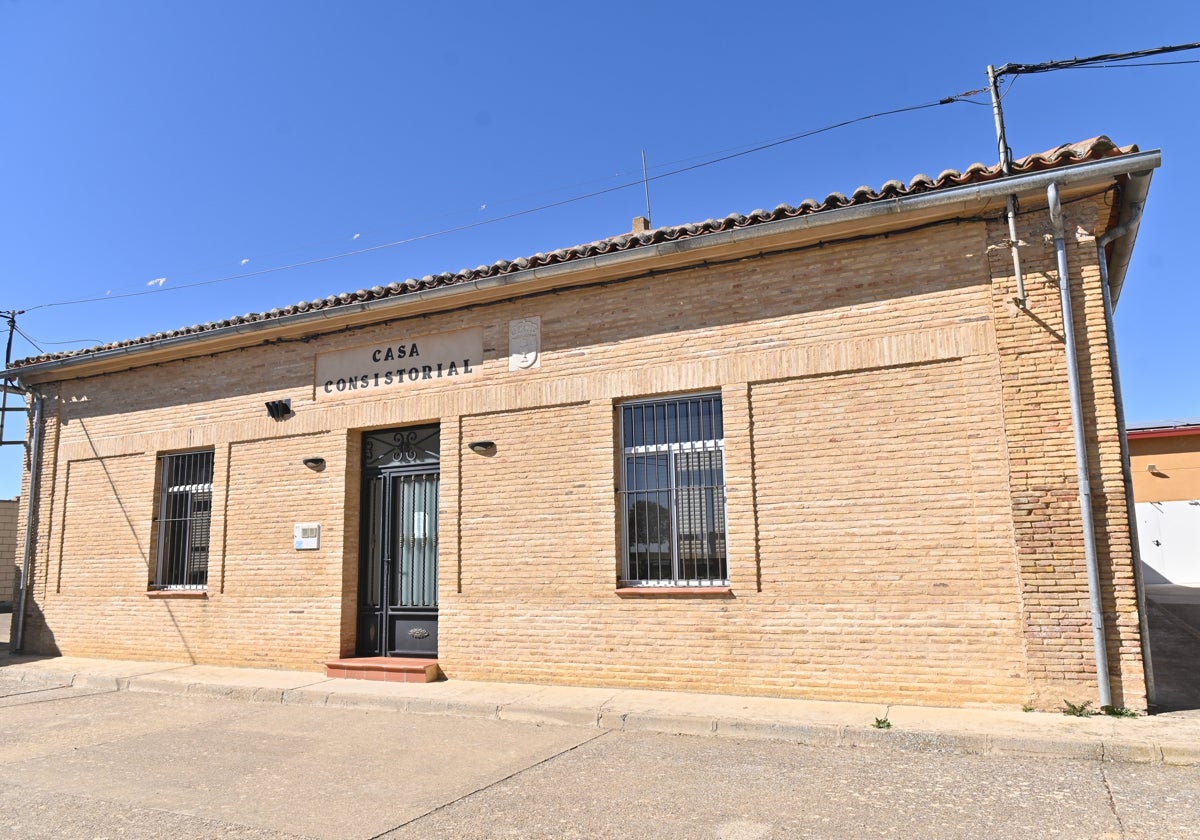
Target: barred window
{"x":185,"y":511}
{"x":672,"y":492}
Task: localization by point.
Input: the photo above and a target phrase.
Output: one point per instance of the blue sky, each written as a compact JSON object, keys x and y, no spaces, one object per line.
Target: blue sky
{"x":193,"y":142}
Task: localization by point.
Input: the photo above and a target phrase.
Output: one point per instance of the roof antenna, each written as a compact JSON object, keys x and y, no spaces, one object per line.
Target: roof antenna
{"x":646,"y":184}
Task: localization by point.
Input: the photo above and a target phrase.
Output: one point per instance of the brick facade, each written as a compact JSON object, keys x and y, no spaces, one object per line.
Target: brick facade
{"x":9,"y":572}
{"x":903,"y":514}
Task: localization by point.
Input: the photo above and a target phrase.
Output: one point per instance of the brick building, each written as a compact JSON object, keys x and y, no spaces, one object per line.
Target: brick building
{"x":823,"y":451}
{"x":1165,"y":459}
{"x":8,"y":551}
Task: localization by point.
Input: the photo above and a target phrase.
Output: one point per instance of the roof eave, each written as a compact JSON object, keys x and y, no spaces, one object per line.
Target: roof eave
{"x":874,"y":217}
{"x":1133,"y":202}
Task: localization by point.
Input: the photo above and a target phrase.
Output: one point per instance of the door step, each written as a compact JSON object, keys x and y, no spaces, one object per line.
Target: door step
{"x":384,"y":669}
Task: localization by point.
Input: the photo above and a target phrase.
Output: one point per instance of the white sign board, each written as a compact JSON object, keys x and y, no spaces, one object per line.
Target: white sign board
{"x":399,"y":362}
{"x":306,"y":536}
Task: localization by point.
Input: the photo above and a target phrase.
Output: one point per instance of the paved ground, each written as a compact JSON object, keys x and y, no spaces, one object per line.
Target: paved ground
{"x":90,"y":763}
{"x":98,"y":748}
{"x":1159,"y":739}
{"x":78,"y":762}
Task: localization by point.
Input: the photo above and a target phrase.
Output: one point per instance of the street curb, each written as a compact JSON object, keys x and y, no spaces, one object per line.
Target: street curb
{"x":610,"y":717}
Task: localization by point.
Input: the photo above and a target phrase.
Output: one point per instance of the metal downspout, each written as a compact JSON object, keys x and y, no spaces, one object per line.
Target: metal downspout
{"x":1081,"y":462}
{"x":35,"y":471}
{"x":1130,"y":224}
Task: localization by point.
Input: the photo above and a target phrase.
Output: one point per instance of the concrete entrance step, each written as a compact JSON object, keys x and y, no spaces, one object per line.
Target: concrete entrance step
{"x":384,"y":669}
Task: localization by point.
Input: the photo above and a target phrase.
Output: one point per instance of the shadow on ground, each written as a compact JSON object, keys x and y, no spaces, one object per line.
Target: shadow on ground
{"x":1173,"y":614}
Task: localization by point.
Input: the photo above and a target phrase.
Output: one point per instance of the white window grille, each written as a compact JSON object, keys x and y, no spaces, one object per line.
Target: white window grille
{"x":185,"y":512}
{"x":672,"y":492}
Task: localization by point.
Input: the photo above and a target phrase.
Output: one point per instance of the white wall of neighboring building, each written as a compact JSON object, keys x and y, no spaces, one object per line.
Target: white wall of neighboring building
{"x":1169,"y":538}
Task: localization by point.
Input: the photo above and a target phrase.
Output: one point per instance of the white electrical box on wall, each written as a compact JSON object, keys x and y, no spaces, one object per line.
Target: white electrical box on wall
{"x":307,"y":535}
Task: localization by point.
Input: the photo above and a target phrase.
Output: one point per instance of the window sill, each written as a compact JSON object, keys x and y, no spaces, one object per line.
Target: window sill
{"x":178,"y":594}
{"x":674,"y":591}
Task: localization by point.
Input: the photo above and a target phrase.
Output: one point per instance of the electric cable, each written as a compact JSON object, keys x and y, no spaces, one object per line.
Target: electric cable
{"x":962,"y":97}
{"x":1011,"y":70}
{"x":1073,"y":63}
{"x":25,"y":336}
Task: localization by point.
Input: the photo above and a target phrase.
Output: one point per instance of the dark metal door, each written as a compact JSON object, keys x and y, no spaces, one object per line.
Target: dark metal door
{"x":397,"y":613}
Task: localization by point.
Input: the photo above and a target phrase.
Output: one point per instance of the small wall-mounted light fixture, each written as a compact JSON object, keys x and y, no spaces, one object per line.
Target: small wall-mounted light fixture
{"x":279,"y":409}
{"x":482,"y":447}
{"x":1154,"y":470}
{"x":315,"y":464}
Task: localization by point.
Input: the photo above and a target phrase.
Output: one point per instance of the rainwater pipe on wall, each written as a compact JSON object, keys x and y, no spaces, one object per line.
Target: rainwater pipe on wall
{"x":31,"y":507}
{"x":1135,"y":198}
{"x":1081,"y":462}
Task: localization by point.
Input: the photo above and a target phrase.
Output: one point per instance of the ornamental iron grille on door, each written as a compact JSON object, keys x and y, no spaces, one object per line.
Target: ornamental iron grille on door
{"x":672,"y":492}
{"x":397,"y":611}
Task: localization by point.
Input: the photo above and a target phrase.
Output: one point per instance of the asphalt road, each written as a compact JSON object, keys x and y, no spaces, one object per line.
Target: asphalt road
{"x":132,"y":765}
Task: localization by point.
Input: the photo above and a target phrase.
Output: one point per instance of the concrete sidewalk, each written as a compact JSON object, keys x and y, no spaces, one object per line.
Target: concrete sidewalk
{"x":1161,"y":739}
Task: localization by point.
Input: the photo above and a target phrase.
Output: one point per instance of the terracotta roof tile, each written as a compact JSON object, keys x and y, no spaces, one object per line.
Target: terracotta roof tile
{"x":1094,"y":149}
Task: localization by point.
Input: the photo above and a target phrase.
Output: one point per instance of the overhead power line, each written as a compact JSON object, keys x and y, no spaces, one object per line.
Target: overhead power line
{"x":1095,"y":60}
{"x":640,"y":182}
{"x":25,"y":336}
{"x":1012,"y":70}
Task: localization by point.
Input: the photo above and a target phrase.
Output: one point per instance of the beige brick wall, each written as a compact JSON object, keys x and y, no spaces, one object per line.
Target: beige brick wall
{"x":1045,"y":494}
{"x":902,"y":514}
{"x":9,"y":573}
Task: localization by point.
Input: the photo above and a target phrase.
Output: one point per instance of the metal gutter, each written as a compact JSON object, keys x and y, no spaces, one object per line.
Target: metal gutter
{"x":943,"y":203}
{"x":1081,"y":460}
{"x":1133,"y":203}
{"x":1177,"y":431}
